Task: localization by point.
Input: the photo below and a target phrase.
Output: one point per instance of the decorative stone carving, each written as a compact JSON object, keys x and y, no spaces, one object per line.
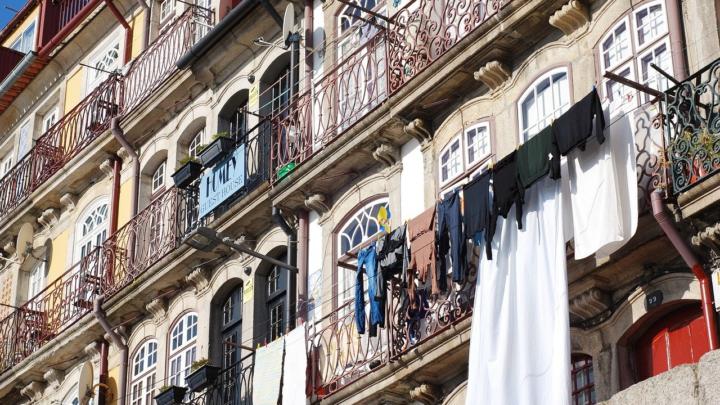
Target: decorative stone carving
{"x":69,"y":202}
{"x":92,"y":350}
{"x":34,"y":390}
{"x":590,"y":303}
{"x":493,"y":74}
{"x":418,"y":130}
{"x":317,"y":202}
{"x":107,"y":167}
{"x":54,"y":377}
{"x":9,"y":248}
{"x":426,"y":394}
{"x":123,"y":154}
{"x":570,"y":17}
{"x":386,"y":154}
{"x":157,"y":308}
{"x":709,"y":238}
{"x":199,"y":279}
{"x":49,"y":217}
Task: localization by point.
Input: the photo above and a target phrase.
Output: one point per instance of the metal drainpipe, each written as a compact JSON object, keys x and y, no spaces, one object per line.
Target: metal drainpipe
{"x":291,"y":251}
{"x":102,"y":391}
{"x":302,"y":264}
{"x":115,"y":201}
{"x":117,"y":341}
{"x":128,"y":29}
{"x":665,"y":222}
{"x":146,"y":25}
{"x":309,"y":16}
{"x":120,"y":136}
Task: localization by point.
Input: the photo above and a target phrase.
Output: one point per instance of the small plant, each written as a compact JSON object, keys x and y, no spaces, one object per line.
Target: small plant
{"x":164,"y":388}
{"x":187,"y":160}
{"x":197,"y":364}
{"x":223,"y":134}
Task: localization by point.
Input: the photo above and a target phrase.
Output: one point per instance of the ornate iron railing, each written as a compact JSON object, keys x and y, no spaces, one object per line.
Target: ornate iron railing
{"x":69,"y":9}
{"x":151,"y":68}
{"x":692,"y":127}
{"x":232,"y":387}
{"x":340,"y":355}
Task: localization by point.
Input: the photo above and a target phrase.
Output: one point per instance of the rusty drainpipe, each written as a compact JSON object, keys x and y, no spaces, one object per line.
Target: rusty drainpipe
{"x":120,"y":136}
{"x":115,"y":202}
{"x":128,"y":29}
{"x":146,"y":25}
{"x":117,"y":341}
{"x":663,"y":219}
{"x":302,"y":265}
{"x":102,"y":388}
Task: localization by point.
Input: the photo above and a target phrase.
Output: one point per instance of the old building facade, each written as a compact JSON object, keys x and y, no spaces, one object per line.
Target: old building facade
{"x":112,"y":285}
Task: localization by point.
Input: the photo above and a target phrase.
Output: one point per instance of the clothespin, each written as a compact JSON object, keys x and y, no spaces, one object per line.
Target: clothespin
{"x":491,"y":165}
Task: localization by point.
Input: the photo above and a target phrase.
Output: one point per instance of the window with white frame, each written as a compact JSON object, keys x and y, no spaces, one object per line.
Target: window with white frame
{"x":465,"y":151}
{"x":167,"y":9}
{"x":26,"y":41}
{"x":24,"y":140}
{"x":628,"y":49}
{"x":36,"y":281}
{"x":546,"y":99}
{"x":6,"y":164}
{"x":158,"y":178}
{"x":143,"y":374}
{"x":183,"y":350}
{"x":195,"y":145}
{"x":361,"y":227}
{"x":107,"y":61}
{"x":49,"y":119}
{"x":91,"y":230}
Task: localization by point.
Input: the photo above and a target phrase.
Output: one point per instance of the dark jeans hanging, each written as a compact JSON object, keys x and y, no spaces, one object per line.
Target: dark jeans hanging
{"x":450,"y":239}
{"x":367,"y":263}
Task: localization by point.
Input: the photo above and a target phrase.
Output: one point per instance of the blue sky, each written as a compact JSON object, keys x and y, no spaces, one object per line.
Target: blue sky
{"x":5,"y":14}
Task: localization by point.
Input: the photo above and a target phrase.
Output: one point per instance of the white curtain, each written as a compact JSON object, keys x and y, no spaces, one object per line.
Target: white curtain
{"x":520,"y":341}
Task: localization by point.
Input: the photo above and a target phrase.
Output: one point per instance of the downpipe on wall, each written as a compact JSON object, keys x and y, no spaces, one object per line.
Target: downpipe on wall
{"x":120,"y":136}
{"x":101,"y":317}
{"x":291,"y":252}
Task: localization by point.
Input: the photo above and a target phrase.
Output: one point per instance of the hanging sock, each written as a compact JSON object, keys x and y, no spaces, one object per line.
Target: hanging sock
{"x":520,"y":337}
{"x":603,"y":192}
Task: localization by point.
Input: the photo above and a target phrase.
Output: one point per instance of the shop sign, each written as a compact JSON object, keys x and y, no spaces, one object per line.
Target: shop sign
{"x":221,"y":181}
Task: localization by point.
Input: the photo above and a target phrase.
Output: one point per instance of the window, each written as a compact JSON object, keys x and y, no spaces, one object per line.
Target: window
{"x":71,"y":397}
{"x":361,"y":227}
{"x":26,"y":41}
{"x":353,"y":25}
{"x":194,"y":148}
{"x":24,"y":141}
{"x":143,"y":374}
{"x":464,"y":152}
{"x":182,"y":348}
{"x":543,"y":101}
{"x":631,"y":58}
{"x":49,"y":119}
{"x":92,"y":229}
{"x":158,"y":178}
{"x":106,"y":62}
{"x":277,"y":300}
{"x":583,"y":384}
{"x":167,"y":9}
{"x":36,"y":282}
{"x":231,"y":339}
{"x":6,"y":164}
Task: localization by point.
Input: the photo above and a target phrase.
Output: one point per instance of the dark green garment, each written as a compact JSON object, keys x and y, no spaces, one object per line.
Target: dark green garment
{"x":537,"y":157}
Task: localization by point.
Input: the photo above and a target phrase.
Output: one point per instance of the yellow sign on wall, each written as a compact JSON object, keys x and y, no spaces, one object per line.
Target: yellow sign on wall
{"x":248,"y":290}
{"x":253,"y":97}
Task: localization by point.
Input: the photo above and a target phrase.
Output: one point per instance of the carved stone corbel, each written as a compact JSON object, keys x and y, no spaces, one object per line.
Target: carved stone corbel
{"x":493,"y":74}
{"x":317,"y":202}
{"x":49,"y":218}
{"x":107,"y":167}
{"x":590,"y":303}
{"x":54,"y":377}
{"x":9,"y":248}
{"x":69,"y":202}
{"x":92,"y":350}
{"x":199,"y":279}
{"x":426,"y":394}
{"x":34,"y":390}
{"x":157,"y":308}
{"x":418,"y":130}
{"x":123,"y":154}
{"x":387,"y":154}
{"x":570,"y":17}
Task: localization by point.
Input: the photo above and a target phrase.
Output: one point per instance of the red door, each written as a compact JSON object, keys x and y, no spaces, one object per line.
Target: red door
{"x":677,"y":338}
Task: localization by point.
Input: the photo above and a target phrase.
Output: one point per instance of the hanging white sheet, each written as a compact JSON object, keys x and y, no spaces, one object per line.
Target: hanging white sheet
{"x":295,"y":367}
{"x":520,"y":341}
{"x":267,"y":373}
{"x":603,"y":191}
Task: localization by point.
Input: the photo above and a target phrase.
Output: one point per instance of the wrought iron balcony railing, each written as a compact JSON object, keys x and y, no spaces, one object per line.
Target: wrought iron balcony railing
{"x":419,"y":34}
{"x":115,"y":97}
{"x":692,"y":128}
{"x":232,"y":387}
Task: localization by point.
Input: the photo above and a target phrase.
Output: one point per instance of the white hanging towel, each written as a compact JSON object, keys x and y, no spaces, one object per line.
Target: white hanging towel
{"x":267,"y":373}
{"x":520,"y":339}
{"x":295,"y":367}
{"x":603,"y":191}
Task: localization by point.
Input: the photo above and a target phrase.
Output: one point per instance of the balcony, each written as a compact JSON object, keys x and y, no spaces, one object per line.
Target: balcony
{"x":418,"y":35}
{"x":155,"y":233}
{"x":692,"y":128}
{"x":232,"y":387}
{"x":118,"y":96}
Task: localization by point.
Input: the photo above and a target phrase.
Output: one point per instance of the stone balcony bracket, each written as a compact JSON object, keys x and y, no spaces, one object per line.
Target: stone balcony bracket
{"x":709,"y":238}
{"x":54,"y":377}
{"x":590,"y":303}
{"x":34,"y":390}
{"x":570,"y":17}
{"x":494,"y":74}
{"x":49,"y":218}
{"x":418,"y":130}
{"x":157,"y":308}
{"x":317,"y":202}
{"x":9,"y":248}
{"x":69,"y":202}
{"x":426,"y":394}
{"x":199,"y":279}
{"x":387,"y":154}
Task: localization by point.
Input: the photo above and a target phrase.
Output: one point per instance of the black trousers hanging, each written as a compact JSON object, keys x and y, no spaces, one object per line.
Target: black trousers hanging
{"x":450,"y":239}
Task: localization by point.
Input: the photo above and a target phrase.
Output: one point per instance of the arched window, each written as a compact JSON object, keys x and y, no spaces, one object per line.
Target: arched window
{"x":583,"y":382}
{"x":143,"y":374}
{"x":196,"y":143}
{"x":71,"y":397}
{"x":158,"y":179}
{"x":546,"y":99}
{"x":183,"y":350}
{"x":277,"y":284}
{"x":360,"y":228}
{"x":233,"y":116}
{"x":231,"y":333}
{"x":353,"y":26}
{"x":638,"y":40}
{"x":92,"y":228}
{"x":464,"y":152}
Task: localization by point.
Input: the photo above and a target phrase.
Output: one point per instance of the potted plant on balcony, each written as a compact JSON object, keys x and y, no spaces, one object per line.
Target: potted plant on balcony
{"x":189,"y":170}
{"x":170,"y":395}
{"x":221,"y":145}
{"x":202,"y":375}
